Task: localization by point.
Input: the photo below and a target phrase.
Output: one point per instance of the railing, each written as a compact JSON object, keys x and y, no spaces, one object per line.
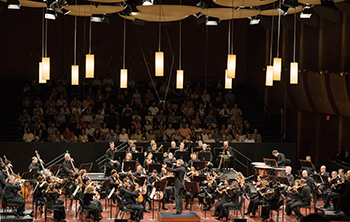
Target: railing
{"x":236,"y":160}
{"x":101,"y":161}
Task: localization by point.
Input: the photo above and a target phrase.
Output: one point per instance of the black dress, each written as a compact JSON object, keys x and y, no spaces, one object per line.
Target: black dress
{"x":52,"y":203}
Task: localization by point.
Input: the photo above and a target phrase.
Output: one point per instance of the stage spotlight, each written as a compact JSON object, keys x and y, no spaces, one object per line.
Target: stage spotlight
{"x":64,"y":11}
{"x":200,"y":18}
{"x":147,"y":2}
{"x":50,"y":14}
{"x":51,"y":3}
{"x":254,"y":20}
{"x":307,"y":12}
{"x":13,"y":4}
{"x":327,"y":3}
{"x":126,"y":11}
{"x":286,"y":4}
{"x":139,"y":22}
{"x":102,"y":18}
{"x":283,"y":9}
{"x":212,"y":21}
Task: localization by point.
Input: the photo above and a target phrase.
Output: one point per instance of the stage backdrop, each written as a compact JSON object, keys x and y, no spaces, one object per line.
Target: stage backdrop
{"x":20,"y":153}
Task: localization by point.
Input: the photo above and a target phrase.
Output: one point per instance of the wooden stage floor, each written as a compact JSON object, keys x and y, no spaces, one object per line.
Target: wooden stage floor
{"x":148,"y":216}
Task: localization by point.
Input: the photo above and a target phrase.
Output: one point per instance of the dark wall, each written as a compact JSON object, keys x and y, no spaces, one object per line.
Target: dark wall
{"x":20,"y":153}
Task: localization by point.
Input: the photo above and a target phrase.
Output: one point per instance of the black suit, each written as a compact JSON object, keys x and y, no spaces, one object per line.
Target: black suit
{"x":12,"y":195}
{"x":179,"y":174}
{"x":33,"y":166}
{"x":110,"y":157}
{"x":303,"y":199}
{"x":66,"y":168}
{"x":129,"y":199}
{"x":3,"y":177}
{"x":281,"y":160}
{"x":226,"y":162}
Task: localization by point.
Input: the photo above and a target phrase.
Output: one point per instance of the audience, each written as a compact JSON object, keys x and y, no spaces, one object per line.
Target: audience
{"x":107,"y":113}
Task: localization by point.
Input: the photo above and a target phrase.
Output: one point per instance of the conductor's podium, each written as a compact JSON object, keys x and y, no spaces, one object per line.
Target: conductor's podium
{"x":185,"y":216}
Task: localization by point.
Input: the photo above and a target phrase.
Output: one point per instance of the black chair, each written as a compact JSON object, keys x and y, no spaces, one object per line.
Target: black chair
{"x":122,"y":209}
{"x":6,"y":205}
{"x":306,"y":207}
{"x":280,"y":208}
{"x":83,"y":209}
{"x":48,"y":208}
{"x":239,"y":207}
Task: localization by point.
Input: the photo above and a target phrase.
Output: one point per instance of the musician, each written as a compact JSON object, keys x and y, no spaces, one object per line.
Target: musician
{"x":309,"y":180}
{"x":133,"y":149}
{"x":150,"y":185}
{"x":140,"y":171}
{"x":329,"y":193}
{"x":11,"y":191}
{"x":129,"y":199}
{"x":336,"y":190}
{"x":281,"y":158}
{"x":168,"y":189}
{"x":322,"y":187}
{"x":207,"y":149}
{"x":173,"y":145}
{"x":52,"y":194}
{"x":181,"y":148}
{"x":34,"y":164}
{"x":207,"y":192}
{"x":257,"y":199}
{"x":200,"y":145}
{"x":149,"y":148}
{"x":323,"y":171}
{"x":222,"y":190}
{"x":83,"y":175}
{"x":272,"y":198}
{"x":341,"y":172}
{"x":234,"y":200}
{"x":193,"y":159}
{"x":302,"y":199}
{"x":289,"y":175}
{"x":171,"y":159}
{"x":148,"y":160}
{"x":113,"y":164}
{"x":114,"y":182}
{"x":128,"y":157}
{"x":179,"y":173}
{"x":67,"y":167}
{"x":240,"y":179}
{"x":39,"y":187}
{"x":229,"y":153}
{"x":3,"y":176}
{"x":90,"y":200}
{"x":310,"y":170}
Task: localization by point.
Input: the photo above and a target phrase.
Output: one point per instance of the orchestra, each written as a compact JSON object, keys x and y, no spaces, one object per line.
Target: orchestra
{"x":136,"y":188}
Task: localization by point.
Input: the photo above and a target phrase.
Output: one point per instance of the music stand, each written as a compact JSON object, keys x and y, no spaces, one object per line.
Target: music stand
{"x":172,"y":150}
{"x":138,"y":157}
{"x":160,"y":186}
{"x":129,"y":165}
{"x":318,"y":178}
{"x":120,"y":156}
{"x":86,"y":166}
{"x":325,"y":179}
{"x":284,"y":180}
{"x":184,"y":155}
{"x":55,"y":169}
{"x":158,"y":157}
{"x":199,"y":165}
{"x":192,"y":187}
{"x":196,"y":149}
{"x":139,"y":148}
{"x":153,"y":166}
{"x":271,"y":178}
{"x":142,"y":180}
{"x":306,"y":164}
{"x":31,"y":173}
{"x":204,"y":156}
{"x":104,"y":187}
{"x":270,"y":162}
{"x":170,"y":165}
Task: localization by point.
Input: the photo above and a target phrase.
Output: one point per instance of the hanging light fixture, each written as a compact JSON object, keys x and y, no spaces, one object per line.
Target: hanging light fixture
{"x":41,"y":79}
{"x":123,"y":71}
{"x":75,"y":67}
{"x":231,"y":58}
{"x":269,"y":68}
{"x":180,"y":72}
{"x":159,"y":56}
{"x":90,"y":59}
{"x":45,"y":67}
{"x":277,"y":62}
{"x":228,"y":81}
{"x":294,"y":65}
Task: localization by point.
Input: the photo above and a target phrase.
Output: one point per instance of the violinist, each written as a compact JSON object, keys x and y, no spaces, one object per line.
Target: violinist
{"x":150,"y":184}
{"x":272,"y":201}
{"x":148,"y":160}
{"x":257,"y":199}
{"x":233,"y":194}
{"x":225,"y":197}
{"x":34,"y":164}
{"x":240,"y":179}
{"x":52,"y":195}
{"x":321,"y":187}
{"x":113,"y":164}
{"x":207,"y":192}
{"x":289,"y":175}
{"x":332,"y":192}
{"x":83,"y":175}
{"x":171,"y":159}
{"x":228,"y":153}
{"x":339,"y":189}
{"x":11,"y":191}
{"x":192,"y":172}
{"x":67,"y":167}
{"x":168,"y":190}
{"x":129,"y":199}
{"x":39,"y":187}
{"x":303,"y":198}
{"x":90,"y":200}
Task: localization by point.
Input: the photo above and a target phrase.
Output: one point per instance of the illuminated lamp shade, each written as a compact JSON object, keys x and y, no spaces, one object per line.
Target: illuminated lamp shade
{"x":179,"y":79}
{"x":45,"y":68}
{"x":159,"y":64}
{"x":228,"y":81}
{"x":293,"y":73}
{"x":123,"y":78}
{"x":231,"y":66}
{"x":75,"y":75}
{"x":90,"y":66}
{"x":269,"y":76}
{"x":277,"y":66}
{"x":41,"y":80}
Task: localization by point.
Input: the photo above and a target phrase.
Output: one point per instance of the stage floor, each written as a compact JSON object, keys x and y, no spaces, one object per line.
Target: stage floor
{"x":148,"y":216}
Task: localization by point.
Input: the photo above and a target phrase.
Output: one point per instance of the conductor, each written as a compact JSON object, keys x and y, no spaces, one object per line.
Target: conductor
{"x":179,"y":174}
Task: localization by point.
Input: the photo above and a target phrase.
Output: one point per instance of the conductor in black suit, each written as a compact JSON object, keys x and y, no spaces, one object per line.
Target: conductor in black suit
{"x":281,"y":158}
{"x":113,"y":164}
{"x":11,"y":191}
{"x":179,"y":174}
